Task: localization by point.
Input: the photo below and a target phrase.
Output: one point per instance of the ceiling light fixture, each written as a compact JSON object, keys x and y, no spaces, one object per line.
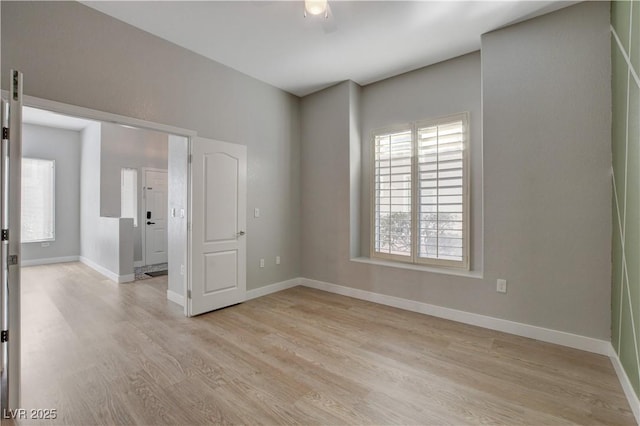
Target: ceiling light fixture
{"x":316,"y":7}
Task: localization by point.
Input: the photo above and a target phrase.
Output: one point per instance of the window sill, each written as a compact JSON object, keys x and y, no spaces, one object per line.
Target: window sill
{"x":422,"y":268}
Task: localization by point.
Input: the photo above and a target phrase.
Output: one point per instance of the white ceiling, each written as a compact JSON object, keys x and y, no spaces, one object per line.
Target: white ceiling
{"x":363,"y":41}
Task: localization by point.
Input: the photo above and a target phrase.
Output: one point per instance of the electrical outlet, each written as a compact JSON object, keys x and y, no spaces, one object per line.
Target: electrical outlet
{"x":262,"y":263}
{"x":181,"y":269}
{"x":501,"y":286}
{"x":45,"y":245}
{"x":277,"y":260}
{"x":256,"y":212}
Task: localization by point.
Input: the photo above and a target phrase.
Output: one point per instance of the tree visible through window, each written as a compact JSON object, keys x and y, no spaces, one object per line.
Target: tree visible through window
{"x":38,"y":200}
{"x":420,"y":207}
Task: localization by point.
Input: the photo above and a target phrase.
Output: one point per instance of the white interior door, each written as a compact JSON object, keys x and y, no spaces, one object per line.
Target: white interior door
{"x":155,"y":216}
{"x":218,"y":222}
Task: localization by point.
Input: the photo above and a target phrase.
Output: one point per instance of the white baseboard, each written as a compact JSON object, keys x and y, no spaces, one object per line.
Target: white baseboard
{"x":175,"y":297}
{"x":49,"y":260}
{"x":539,"y":333}
{"x":272,"y":288}
{"x":106,"y":272}
{"x":126,"y":278}
{"x":629,"y":392}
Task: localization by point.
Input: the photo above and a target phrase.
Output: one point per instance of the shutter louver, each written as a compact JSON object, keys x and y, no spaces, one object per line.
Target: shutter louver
{"x":441,"y":206}
{"x":392,"y":181}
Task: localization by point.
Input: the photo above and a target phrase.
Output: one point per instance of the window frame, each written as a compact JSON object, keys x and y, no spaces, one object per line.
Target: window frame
{"x":413,"y":258}
{"x":53,"y":203}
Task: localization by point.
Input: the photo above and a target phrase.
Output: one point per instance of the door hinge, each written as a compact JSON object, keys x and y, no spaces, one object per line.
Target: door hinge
{"x":5,"y":235}
{"x":4,"y":336}
{"x":190,"y":158}
{"x":5,"y":133}
{"x":13,"y":259}
{"x":188,"y":294}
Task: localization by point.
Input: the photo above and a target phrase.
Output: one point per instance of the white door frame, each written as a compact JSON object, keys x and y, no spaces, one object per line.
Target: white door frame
{"x":143,"y":230}
{"x":92,"y":114}
{"x":10,"y":292}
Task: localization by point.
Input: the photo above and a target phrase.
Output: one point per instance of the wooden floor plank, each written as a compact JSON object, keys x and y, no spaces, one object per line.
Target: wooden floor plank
{"x":106,"y":353}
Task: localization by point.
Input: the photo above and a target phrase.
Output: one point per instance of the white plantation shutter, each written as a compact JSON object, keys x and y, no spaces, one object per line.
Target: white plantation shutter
{"x":38,"y":202}
{"x":420,"y":208}
{"x":392,"y":181}
{"x":442,"y":210}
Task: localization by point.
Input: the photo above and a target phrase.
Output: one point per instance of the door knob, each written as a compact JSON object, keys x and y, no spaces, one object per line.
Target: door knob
{"x":151,"y":223}
{"x":241,"y":233}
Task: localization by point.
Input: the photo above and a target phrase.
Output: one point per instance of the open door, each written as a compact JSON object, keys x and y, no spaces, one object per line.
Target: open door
{"x":10,"y":171}
{"x":218,"y":222}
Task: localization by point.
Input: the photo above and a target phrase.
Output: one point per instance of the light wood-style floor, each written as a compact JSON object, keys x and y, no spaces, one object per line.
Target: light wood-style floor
{"x":103,"y":353}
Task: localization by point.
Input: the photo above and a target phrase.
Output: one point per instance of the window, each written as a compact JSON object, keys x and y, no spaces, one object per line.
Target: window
{"x":129,"y":194}
{"x":38,"y":200}
{"x":420,"y":205}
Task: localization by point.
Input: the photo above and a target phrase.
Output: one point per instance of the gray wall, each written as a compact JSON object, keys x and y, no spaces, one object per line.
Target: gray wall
{"x":104,"y":241}
{"x":325,"y":184}
{"x":446,"y":88}
{"x":547,"y":141}
{"x":546,"y":89}
{"x":63,"y":146}
{"x":73,"y":54}
{"x":125,"y":147}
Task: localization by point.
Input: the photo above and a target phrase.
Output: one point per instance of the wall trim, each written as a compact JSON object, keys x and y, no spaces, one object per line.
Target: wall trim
{"x":272,"y":288}
{"x":627,"y":387}
{"x":520,"y":329}
{"x":175,"y":297}
{"x":97,"y":115}
{"x":107,"y":273}
{"x":138,"y":263}
{"x":49,"y":260}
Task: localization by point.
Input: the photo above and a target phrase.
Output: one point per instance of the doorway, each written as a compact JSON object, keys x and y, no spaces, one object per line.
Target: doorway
{"x":154,"y":224}
{"x":186,"y":191}
{"x":122,"y":177}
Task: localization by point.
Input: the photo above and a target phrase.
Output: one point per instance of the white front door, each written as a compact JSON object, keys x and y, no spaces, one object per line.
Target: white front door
{"x":155,"y":216}
{"x":218,"y":222}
